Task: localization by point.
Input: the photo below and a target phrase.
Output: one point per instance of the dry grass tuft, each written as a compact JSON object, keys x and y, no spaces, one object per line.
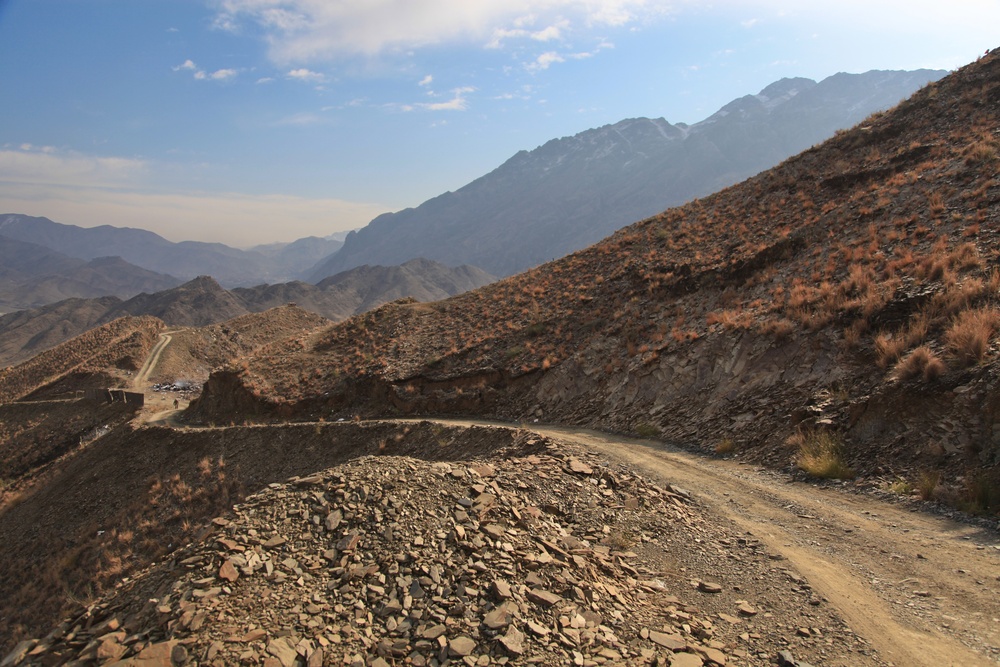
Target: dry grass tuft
{"x":970,"y":333}
{"x":927,"y":484}
{"x":821,"y":455}
{"x":725,"y":446}
{"x":921,"y":362}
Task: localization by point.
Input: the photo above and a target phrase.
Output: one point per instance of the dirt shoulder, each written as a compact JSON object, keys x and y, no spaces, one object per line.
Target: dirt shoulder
{"x":921,"y":589}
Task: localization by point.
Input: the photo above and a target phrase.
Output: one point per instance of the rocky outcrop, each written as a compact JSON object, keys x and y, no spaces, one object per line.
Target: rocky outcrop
{"x":540,"y":554}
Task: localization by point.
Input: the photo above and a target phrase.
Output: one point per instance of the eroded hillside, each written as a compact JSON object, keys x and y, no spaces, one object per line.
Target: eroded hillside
{"x":853,"y":288}
{"x":99,"y":358}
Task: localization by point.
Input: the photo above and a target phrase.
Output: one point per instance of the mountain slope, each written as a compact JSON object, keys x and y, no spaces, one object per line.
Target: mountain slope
{"x":571,"y":192}
{"x":32,"y":276}
{"x":851,"y":291}
{"x":366,"y":287}
{"x":202,"y":301}
{"x":25,"y":333}
{"x":122,"y":344}
{"x":196,"y":303}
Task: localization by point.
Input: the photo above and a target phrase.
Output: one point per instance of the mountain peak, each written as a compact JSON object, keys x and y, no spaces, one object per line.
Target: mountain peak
{"x":573,"y":191}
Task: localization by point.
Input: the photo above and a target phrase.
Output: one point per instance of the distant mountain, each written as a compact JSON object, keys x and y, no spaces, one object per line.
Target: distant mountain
{"x":20,"y":261}
{"x":304,"y":252}
{"x":25,"y":333}
{"x":32,"y":276}
{"x":366,"y":287}
{"x":196,"y":303}
{"x":571,"y":192}
{"x":203,"y":301}
{"x":188,"y":259}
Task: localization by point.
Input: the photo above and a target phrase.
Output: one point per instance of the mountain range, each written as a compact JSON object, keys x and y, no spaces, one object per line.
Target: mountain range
{"x":202,"y":301}
{"x":537,"y":206}
{"x":187,"y":259}
{"x":571,"y":192}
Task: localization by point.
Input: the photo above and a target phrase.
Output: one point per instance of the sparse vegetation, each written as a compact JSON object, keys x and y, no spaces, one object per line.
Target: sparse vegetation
{"x":900,"y":487}
{"x":820,"y":454}
{"x":927,"y":484}
{"x":921,"y":362}
{"x":647,"y":430}
{"x":970,"y":334}
{"x":725,"y":446}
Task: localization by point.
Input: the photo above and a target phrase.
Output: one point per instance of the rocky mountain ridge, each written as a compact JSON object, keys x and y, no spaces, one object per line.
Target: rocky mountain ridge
{"x":32,"y":276}
{"x":571,"y":192}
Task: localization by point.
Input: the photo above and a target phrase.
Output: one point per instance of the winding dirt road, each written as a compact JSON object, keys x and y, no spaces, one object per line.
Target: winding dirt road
{"x":142,"y":376}
{"x":921,"y":589}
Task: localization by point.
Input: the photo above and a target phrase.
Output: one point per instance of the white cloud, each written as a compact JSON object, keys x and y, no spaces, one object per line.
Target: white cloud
{"x":201,"y":75}
{"x":303,"y":74}
{"x":544,"y":61}
{"x":265,"y":79}
{"x":426,"y":81}
{"x":222,"y":74}
{"x":458,"y":102}
{"x":547,"y":34}
{"x":300,"y":31}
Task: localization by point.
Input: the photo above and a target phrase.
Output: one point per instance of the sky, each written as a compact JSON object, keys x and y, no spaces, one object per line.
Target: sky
{"x":257,"y":121}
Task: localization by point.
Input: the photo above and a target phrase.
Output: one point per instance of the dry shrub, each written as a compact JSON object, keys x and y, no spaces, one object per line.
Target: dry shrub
{"x":982,"y":152}
{"x":888,"y":349}
{"x":981,"y":493}
{"x":821,"y":455}
{"x":970,"y":333}
{"x":921,"y":362}
{"x":853,"y":333}
{"x":965,"y":257}
{"x":780,"y":328}
{"x":927,"y":484}
{"x":730,"y":319}
{"x":725,"y":446}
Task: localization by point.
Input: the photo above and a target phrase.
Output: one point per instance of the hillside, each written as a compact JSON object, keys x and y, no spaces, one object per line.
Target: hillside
{"x":365,"y":287}
{"x":25,"y":333}
{"x":845,"y":301}
{"x":32,"y":276}
{"x":194,"y":352}
{"x":93,"y":359}
{"x":571,"y":192}
{"x":202,"y":301}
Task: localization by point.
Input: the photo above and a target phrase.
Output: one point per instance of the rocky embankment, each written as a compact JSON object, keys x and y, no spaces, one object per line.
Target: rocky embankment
{"x":540,"y":553}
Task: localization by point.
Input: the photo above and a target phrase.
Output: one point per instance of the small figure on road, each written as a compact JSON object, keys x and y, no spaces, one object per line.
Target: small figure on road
{"x":176,"y":404}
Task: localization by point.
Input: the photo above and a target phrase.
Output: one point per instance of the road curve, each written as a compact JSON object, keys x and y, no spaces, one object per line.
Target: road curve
{"x":151,"y":360}
{"x":922,"y":590}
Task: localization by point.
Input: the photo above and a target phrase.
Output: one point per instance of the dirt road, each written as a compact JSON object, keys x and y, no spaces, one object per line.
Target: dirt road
{"x":142,"y":376}
{"x":921,"y":589}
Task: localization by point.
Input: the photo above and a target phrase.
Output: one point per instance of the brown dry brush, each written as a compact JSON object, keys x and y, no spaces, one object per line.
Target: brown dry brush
{"x":94,"y":561}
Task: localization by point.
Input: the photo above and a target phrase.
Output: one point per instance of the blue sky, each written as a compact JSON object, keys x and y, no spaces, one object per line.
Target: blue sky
{"x":251,"y":121}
